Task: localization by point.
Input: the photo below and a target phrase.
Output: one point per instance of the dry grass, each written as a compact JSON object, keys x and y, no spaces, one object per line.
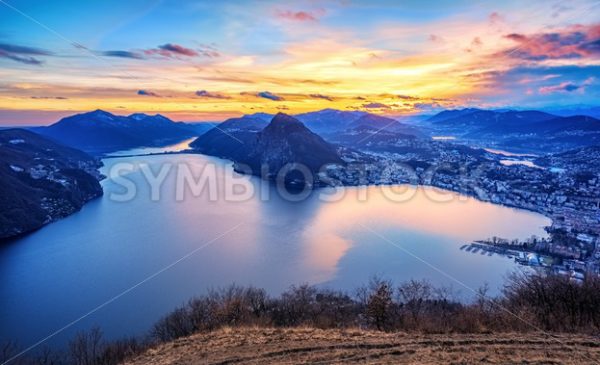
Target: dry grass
{"x":314,"y":346}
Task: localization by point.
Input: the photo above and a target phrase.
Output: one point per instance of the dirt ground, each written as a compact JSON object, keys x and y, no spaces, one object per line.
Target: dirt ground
{"x":314,"y":346}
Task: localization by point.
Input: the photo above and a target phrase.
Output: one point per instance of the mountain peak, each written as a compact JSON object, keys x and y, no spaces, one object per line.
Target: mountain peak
{"x":284,"y":124}
{"x":138,"y":116}
{"x":100,"y":112}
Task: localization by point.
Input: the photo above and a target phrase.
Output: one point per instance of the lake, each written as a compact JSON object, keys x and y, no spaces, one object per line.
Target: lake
{"x":170,"y":249}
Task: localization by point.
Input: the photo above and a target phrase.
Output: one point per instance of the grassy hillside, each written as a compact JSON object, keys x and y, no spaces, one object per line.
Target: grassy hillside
{"x":349,"y":346}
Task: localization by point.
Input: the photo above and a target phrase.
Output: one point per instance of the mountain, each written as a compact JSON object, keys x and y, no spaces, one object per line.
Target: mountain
{"x":41,"y":181}
{"x":329,"y":120}
{"x":450,"y":114}
{"x":474,"y":119}
{"x":230,"y":139}
{"x":199,"y":128}
{"x":592,"y":111}
{"x":386,"y":124}
{"x":101,"y":131}
{"x":530,"y":130}
{"x":371,"y":138}
{"x":265,"y":117}
{"x":285,"y":141}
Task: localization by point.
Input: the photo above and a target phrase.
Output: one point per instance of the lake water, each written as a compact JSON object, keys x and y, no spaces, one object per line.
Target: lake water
{"x":67,"y":269}
{"x":509,"y":154}
{"x":177,"y":147}
{"x":527,"y":163}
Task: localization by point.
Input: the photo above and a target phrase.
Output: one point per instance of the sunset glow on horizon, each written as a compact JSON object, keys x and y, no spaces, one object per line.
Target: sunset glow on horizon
{"x":197,"y":61}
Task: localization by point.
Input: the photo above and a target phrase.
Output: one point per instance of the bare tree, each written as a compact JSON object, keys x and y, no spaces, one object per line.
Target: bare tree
{"x":85,"y":348}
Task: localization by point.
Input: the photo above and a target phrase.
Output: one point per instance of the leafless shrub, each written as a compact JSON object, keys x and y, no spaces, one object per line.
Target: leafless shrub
{"x":85,"y":347}
{"x":529,"y":302}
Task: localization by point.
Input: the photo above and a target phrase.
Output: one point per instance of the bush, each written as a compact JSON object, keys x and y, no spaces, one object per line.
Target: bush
{"x":529,"y":302}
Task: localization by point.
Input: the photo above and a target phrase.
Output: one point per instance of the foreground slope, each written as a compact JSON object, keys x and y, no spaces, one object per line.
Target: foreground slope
{"x":309,"y":346}
{"x":41,"y":181}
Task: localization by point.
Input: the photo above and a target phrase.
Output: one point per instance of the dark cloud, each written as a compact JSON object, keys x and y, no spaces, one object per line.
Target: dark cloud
{"x":171,"y":50}
{"x":207,"y":94}
{"x":50,"y":97}
{"x":591,"y":47}
{"x":321,"y":96}
{"x":175,"y":48}
{"x":562,"y":87}
{"x":376,"y":106}
{"x":22,"y":54}
{"x":147,"y":93}
{"x":13,"y":48}
{"x":265,"y":94}
{"x":407,"y":97}
{"x":123,"y":54}
{"x":22,"y":59}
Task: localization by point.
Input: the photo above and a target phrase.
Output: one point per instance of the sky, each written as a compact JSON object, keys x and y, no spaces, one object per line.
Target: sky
{"x":210,"y":60}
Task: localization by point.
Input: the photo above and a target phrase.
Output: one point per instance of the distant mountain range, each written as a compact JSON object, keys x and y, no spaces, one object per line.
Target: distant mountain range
{"x":41,"y":181}
{"x":231,"y":138}
{"x":100,"y":131}
{"x":263,"y":147}
{"x":330,"y":122}
{"x":525,"y":130}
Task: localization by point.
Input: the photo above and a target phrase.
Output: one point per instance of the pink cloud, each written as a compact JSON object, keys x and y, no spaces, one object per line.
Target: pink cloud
{"x":495,"y":18}
{"x":565,"y":87}
{"x":435,"y":38}
{"x":300,"y":16}
{"x":569,"y":43}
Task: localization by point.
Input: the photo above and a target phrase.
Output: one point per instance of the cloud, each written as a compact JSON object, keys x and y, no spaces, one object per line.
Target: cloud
{"x":435,"y":38}
{"x":571,"y":43}
{"x":375,"y":106}
{"x":22,"y":54}
{"x":429,"y":107}
{"x":407,"y":97}
{"x":123,"y":54}
{"x":265,"y":94}
{"x":147,"y":93}
{"x":562,"y":87}
{"x":321,"y":96}
{"x":300,"y":16}
{"x":171,"y":50}
{"x":13,"y":48}
{"x":207,"y":94}
{"x":565,"y":87}
{"x":49,"y":97}
{"x":495,"y":18}
{"x":175,"y":48}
